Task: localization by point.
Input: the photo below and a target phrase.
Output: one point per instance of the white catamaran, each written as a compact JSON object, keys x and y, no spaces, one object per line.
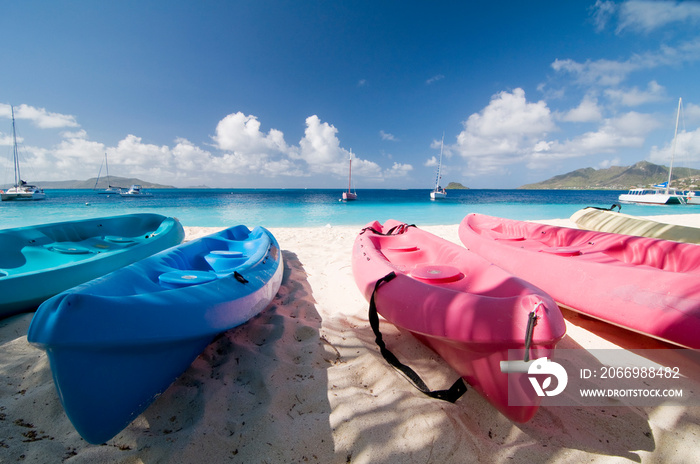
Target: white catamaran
{"x":350,"y":195}
{"x":660,"y":194}
{"x":110,"y":190}
{"x":21,"y":190}
{"x":439,"y":192}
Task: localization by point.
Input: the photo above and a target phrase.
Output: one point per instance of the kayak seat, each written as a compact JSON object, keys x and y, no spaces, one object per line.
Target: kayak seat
{"x":226,"y":254}
{"x":511,"y":239}
{"x":70,"y":249}
{"x":181,"y":279}
{"x":436,"y":273}
{"x":403,"y":249}
{"x":562,"y":251}
{"x":225,"y":260}
{"x":119,"y":239}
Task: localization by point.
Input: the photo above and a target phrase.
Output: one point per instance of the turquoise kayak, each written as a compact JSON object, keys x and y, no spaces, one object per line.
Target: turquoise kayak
{"x":117,"y":342}
{"x":40,"y":261}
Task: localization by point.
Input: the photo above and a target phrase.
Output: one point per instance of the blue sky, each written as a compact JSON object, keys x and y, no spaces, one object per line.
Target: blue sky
{"x":281,"y":93}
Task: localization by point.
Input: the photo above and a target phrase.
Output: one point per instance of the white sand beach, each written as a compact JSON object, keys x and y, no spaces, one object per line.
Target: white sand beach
{"x":304,"y":382}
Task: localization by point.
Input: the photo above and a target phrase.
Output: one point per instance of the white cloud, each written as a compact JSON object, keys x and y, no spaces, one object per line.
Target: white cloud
{"x":432,"y":162}
{"x":608,"y":163}
{"x":320,"y":146}
{"x":189,"y":158}
{"x":691,"y":114}
{"x":629,"y":130}
{"x":503,"y":133}
{"x":74,"y":157}
{"x":602,"y":11}
{"x":240,"y":133}
{"x":511,"y":130}
{"x":247,"y":150}
{"x":636,"y":97}
{"x":609,"y":73}
{"x":240,"y":148}
{"x":687,"y":149}
{"x":360,"y":167}
{"x":434,"y":79}
{"x":626,"y":131}
{"x":387,"y":136}
{"x":646,"y":16}
{"x":398,"y":170}
{"x":131,"y":151}
{"x":601,"y":72}
{"x":39,"y":116}
{"x":6,"y":140}
{"x":587,"y":111}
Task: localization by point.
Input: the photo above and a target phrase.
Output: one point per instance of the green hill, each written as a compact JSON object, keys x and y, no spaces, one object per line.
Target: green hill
{"x":124,"y":182}
{"x":641,"y":174}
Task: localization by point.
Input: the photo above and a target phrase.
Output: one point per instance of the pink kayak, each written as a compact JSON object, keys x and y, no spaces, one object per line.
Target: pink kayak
{"x":467,"y":310}
{"x":647,"y":285}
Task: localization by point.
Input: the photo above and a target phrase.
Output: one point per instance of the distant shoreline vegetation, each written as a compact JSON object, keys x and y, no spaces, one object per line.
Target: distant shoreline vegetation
{"x":89,"y":184}
{"x":641,"y":174}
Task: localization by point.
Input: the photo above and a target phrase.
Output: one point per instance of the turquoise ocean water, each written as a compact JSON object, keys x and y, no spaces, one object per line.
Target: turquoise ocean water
{"x":313,"y":208}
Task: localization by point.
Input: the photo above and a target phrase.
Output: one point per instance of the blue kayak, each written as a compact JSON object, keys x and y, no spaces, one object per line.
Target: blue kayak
{"x":38,"y":262}
{"x":117,"y":342}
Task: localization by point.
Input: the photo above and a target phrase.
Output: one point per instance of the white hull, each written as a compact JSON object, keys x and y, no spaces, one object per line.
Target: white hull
{"x":22,"y":194}
{"x":661,"y":194}
{"x":653,"y":198}
{"x":693,"y":200}
{"x":135,"y":191}
{"x":439,"y":192}
{"x":22,"y":191}
{"x":349,"y":195}
{"x":110,"y":191}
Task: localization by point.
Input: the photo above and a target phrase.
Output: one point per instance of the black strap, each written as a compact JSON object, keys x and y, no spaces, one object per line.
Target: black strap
{"x":451,"y":395}
{"x":614,"y":205}
{"x":396,"y":230}
{"x":239,"y":277}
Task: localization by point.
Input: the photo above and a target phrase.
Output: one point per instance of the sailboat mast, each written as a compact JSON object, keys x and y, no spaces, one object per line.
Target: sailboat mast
{"x":15,"y":153}
{"x":350,"y":174}
{"x":98,"y":174}
{"x":437,"y":179}
{"x":107,"y":167}
{"x":673,"y":147}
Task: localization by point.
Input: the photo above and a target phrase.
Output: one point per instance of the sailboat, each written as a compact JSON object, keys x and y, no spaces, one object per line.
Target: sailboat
{"x":110,"y":188}
{"x":21,"y":190}
{"x":350,"y":195}
{"x":439,"y":192}
{"x":659,"y":194}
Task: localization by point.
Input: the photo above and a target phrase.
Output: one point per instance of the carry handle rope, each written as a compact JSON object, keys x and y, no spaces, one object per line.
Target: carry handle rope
{"x":451,"y":395}
{"x":531,"y":323}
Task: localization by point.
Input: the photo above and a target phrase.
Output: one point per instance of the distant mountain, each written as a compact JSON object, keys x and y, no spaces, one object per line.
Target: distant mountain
{"x":642,"y":174}
{"x":102,"y":184}
{"x":456,"y":186}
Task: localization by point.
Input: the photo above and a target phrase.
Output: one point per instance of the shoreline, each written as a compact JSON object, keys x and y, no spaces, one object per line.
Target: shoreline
{"x":304,"y":382}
